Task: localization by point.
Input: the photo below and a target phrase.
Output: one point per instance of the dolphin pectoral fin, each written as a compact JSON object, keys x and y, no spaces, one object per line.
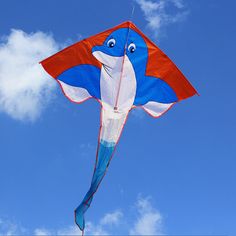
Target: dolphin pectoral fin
{"x":154,"y":89}
{"x":155,"y":96}
{"x":156,"y":109}
{"x":111,"y":127}
{"x":73,"y":93}
{"x":81,"y":82}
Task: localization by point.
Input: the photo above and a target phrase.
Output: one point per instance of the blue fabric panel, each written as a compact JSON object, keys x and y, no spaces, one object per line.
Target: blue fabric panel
{"x":104,"y":156}
{"x":84,"y":76}
{"x":154,"y":89}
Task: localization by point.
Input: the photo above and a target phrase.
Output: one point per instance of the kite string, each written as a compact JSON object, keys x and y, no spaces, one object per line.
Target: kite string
{"x":132,"y":13}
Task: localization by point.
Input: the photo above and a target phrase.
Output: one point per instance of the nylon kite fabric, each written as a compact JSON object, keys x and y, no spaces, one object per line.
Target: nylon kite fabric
{"x":122,"y":69}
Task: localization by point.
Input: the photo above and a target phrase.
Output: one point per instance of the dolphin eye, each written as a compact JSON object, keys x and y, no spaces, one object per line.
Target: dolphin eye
{"x":132,"y":47}
{"x":111,"y":43}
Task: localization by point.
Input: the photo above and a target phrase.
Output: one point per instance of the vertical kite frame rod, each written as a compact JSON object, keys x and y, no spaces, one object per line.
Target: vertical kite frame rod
{"x":122,"y":69}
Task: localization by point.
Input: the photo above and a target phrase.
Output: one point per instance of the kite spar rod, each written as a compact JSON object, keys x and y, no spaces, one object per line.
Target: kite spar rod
{"x":122,"y":67}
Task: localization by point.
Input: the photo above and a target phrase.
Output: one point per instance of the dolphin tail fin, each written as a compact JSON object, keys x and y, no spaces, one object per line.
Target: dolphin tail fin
{"x":112,"y":124}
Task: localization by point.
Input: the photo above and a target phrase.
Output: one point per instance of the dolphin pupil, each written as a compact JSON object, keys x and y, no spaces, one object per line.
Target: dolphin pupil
{"x":111,"y":43}
{"x":132,"y":47}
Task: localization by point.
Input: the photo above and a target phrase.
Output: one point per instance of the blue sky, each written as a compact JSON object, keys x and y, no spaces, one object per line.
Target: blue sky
{"x":172,"y":175}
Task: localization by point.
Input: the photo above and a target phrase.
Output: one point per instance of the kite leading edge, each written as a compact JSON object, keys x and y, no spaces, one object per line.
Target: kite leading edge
{"x":122,"y":69}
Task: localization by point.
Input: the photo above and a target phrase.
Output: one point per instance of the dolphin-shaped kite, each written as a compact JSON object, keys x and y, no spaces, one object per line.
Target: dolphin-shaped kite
{"x":122,"y":69}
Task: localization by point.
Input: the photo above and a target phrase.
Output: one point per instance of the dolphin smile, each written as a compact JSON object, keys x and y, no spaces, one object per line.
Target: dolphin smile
{"x":107,"y":69}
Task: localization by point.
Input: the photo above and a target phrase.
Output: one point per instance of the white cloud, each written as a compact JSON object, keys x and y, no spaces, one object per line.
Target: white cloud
{"x":149,"y":221}
{"x":92,"y":229}
{"x":71,"y":230}
{"x":42,"y":232}
{"x":25,"y":88}
{"x":178,"y":3}
{"x":158,"y":16}
{"x":8,"y":228}
{"x":112,"y":218}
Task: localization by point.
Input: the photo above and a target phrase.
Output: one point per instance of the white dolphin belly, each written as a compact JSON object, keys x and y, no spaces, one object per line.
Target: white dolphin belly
{"x":117,"y":81}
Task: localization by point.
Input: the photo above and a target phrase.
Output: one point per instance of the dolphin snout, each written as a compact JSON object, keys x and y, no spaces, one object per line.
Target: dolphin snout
{"x":107,"y":60}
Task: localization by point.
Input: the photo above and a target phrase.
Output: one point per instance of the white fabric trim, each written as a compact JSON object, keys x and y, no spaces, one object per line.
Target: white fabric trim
{"x":156,"y":109}
{"x":75,"y":94}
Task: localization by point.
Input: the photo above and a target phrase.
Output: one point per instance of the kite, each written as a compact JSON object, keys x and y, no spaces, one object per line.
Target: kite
{"x":122,"y":69}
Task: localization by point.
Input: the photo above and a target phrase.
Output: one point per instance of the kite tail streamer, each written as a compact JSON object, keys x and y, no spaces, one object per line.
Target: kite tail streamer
{"x":112,"y":123}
